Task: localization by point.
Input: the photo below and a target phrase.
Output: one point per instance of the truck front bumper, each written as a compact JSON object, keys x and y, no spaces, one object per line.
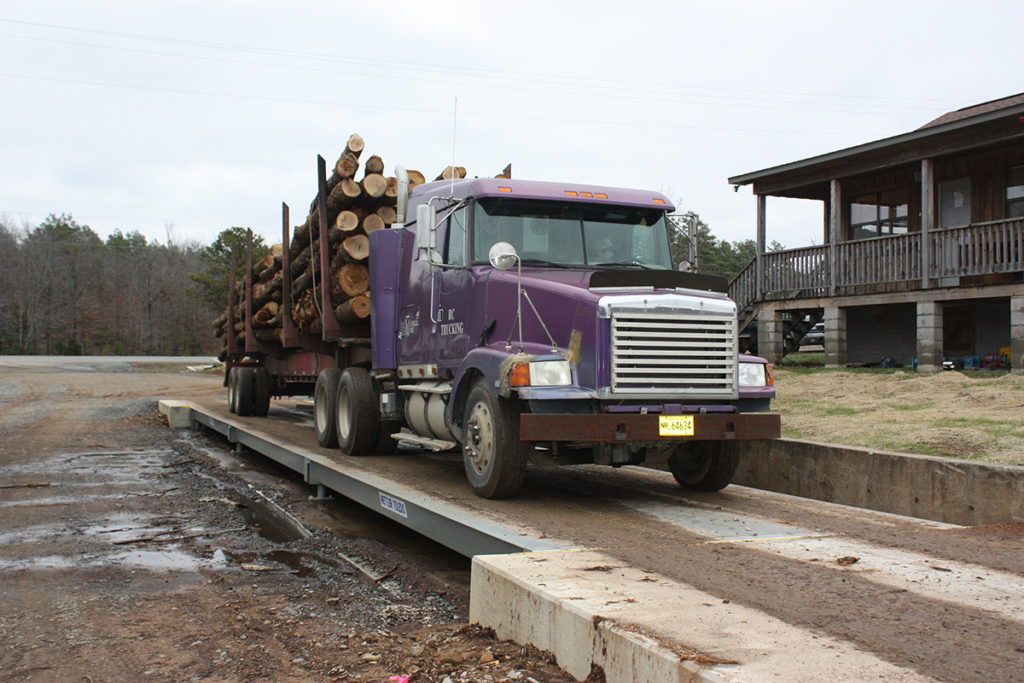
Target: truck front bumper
{"x":608,"y":428}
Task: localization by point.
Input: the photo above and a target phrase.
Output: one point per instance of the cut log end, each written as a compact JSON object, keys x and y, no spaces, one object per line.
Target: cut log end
{"x":357,"y":247}
{"x":353,"y":310}
{"x":374,"y":165}
{"x":354,"y":279}
{"x":374,"y":185}
{"x":356,"y":144}
{"x":347,"y":221}
{"x":372,"y":222}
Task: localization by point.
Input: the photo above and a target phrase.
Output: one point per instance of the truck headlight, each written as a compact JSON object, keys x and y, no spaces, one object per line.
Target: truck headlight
{"x":756,"y":375}
{"x":541,"y":373}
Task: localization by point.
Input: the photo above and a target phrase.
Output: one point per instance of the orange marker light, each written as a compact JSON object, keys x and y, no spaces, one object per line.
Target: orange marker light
{"x":601,"y":195}
{"x":587,"y":194}
{"x":571,"y":193}
{"x":770,"y":375}
{"x":659,"y":201}
{"x":520,"y":375}
{"x":504,"y":189}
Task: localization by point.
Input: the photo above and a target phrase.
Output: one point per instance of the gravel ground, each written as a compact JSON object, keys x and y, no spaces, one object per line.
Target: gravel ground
{"x":129,"y":551}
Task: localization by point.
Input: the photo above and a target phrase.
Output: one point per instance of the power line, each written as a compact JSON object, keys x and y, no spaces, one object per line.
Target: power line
{"x":607,"y":87}
{"x":361,"y":105}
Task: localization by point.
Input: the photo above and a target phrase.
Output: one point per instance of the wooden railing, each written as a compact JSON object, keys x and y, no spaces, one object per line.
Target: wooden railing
{"x":884,"y":263}
{"x":878,"y":261}
{"x":743,"y":288}
{"x":800,"y":273}
{"x":979,"y":249}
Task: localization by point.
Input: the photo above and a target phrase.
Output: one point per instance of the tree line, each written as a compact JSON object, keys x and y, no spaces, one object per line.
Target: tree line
{"x":66,"y":291}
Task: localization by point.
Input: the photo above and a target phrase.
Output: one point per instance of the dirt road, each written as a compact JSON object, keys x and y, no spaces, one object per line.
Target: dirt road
{"x":129,"y":551}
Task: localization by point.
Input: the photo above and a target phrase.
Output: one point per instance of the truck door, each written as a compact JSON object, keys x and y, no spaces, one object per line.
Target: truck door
{"x":454,"y":290}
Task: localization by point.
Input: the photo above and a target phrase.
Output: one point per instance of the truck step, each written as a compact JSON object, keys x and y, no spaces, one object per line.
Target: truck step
{"x":427,"y":388}
{"x":436,"y":445}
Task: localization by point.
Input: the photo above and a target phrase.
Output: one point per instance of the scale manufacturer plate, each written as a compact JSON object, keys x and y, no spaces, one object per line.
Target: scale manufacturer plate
{"x":675,"y":425}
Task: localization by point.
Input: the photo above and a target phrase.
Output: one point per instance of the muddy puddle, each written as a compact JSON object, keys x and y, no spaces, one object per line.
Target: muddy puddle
{"x":337,"y":515}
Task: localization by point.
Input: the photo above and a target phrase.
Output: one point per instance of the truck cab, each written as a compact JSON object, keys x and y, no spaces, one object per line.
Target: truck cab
{"x":526,"y":321}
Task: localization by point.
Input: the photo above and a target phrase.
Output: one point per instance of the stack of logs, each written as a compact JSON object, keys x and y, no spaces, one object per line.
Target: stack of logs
{"x":355,"y":208}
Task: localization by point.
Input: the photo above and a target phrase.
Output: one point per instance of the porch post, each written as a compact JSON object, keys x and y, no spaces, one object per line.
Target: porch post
{"x":835,"y":337}
{"x":759,"y":257}
{"x":929,"y":336}
{"x":769,"y":334}
{"x":927,"y":219}
{"x":835,"y":205}
{"x":1017,"y":334}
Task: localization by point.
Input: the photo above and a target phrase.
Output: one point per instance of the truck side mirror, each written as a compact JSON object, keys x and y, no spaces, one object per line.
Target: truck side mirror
{"x":502,"y":255}
{"x":426,"y":227}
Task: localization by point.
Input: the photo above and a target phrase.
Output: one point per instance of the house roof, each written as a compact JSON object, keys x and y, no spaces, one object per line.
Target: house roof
{"x":914,"y":145}
{"x":975,"y":110}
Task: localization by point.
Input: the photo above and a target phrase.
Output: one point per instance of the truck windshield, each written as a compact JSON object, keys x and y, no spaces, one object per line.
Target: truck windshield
{"x":551,"y":233}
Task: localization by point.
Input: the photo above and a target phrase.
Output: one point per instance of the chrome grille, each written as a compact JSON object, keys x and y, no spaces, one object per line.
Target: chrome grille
{"x":673,"y":351}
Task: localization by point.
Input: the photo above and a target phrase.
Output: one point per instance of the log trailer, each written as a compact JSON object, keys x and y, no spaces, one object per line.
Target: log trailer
{"x":520,"y":321}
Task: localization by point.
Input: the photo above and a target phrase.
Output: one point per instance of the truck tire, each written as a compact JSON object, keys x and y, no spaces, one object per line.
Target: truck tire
{"x":385,"y":445}
{"x":261,"y":392}
{"x":357,"y":418}
{"x":493,"y":457}
{"x":233,"y":390}
{"x":245,"y":391}
{"x":325,"y":411}
{"x":704,"y":465}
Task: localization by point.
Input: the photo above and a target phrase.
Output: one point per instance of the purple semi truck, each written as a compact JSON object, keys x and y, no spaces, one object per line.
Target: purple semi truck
{"x":528,"y":321}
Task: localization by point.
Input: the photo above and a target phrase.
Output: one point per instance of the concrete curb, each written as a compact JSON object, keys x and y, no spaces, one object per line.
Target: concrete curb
{"x":179,"y":413}
{"x":940,"y":489}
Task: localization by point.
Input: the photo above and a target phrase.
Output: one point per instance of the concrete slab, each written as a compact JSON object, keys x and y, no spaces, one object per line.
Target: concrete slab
{"x":588,"y":608}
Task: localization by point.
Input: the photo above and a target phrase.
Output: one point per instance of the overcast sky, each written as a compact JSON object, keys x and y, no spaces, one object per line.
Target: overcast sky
{"x":180,"y":119}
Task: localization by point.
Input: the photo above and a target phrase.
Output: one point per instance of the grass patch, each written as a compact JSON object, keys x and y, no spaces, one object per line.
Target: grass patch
{"x":839,"y":411}
{"x":809,"y":359}
{"x":994,"y":428}
{"x":912,"y":406}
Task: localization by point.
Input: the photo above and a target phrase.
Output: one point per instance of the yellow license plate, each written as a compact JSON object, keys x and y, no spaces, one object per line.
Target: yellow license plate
{"x":675,"y":425}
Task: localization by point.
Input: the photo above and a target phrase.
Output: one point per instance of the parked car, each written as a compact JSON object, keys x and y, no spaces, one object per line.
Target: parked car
{"x":815,"y":337}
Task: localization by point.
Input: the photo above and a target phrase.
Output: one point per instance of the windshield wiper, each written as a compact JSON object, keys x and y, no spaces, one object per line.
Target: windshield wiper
{"x":542,"y":262}
{"x":634,"y":264}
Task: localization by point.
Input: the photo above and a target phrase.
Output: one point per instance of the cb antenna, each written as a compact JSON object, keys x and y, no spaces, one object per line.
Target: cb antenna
{"x":455,"y":116}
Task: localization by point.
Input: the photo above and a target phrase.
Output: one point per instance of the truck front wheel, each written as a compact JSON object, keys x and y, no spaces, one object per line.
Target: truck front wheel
{"x":494,"y":458}
{"x":325,"y":407}
{"x":704,"y":465}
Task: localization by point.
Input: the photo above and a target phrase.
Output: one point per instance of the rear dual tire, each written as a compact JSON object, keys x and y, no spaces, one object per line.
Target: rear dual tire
{"x":346,"y":414}
{"x":249,"y":391}
{"x":325,"y":398}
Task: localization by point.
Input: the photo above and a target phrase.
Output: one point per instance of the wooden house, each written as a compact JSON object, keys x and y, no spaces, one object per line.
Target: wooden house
{"x":923,"y":247}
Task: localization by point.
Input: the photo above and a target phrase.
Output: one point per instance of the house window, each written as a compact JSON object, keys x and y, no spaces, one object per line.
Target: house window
{"x":879,"y":213}
{"x":1015,"y":192}
{"x":955,"y":203}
